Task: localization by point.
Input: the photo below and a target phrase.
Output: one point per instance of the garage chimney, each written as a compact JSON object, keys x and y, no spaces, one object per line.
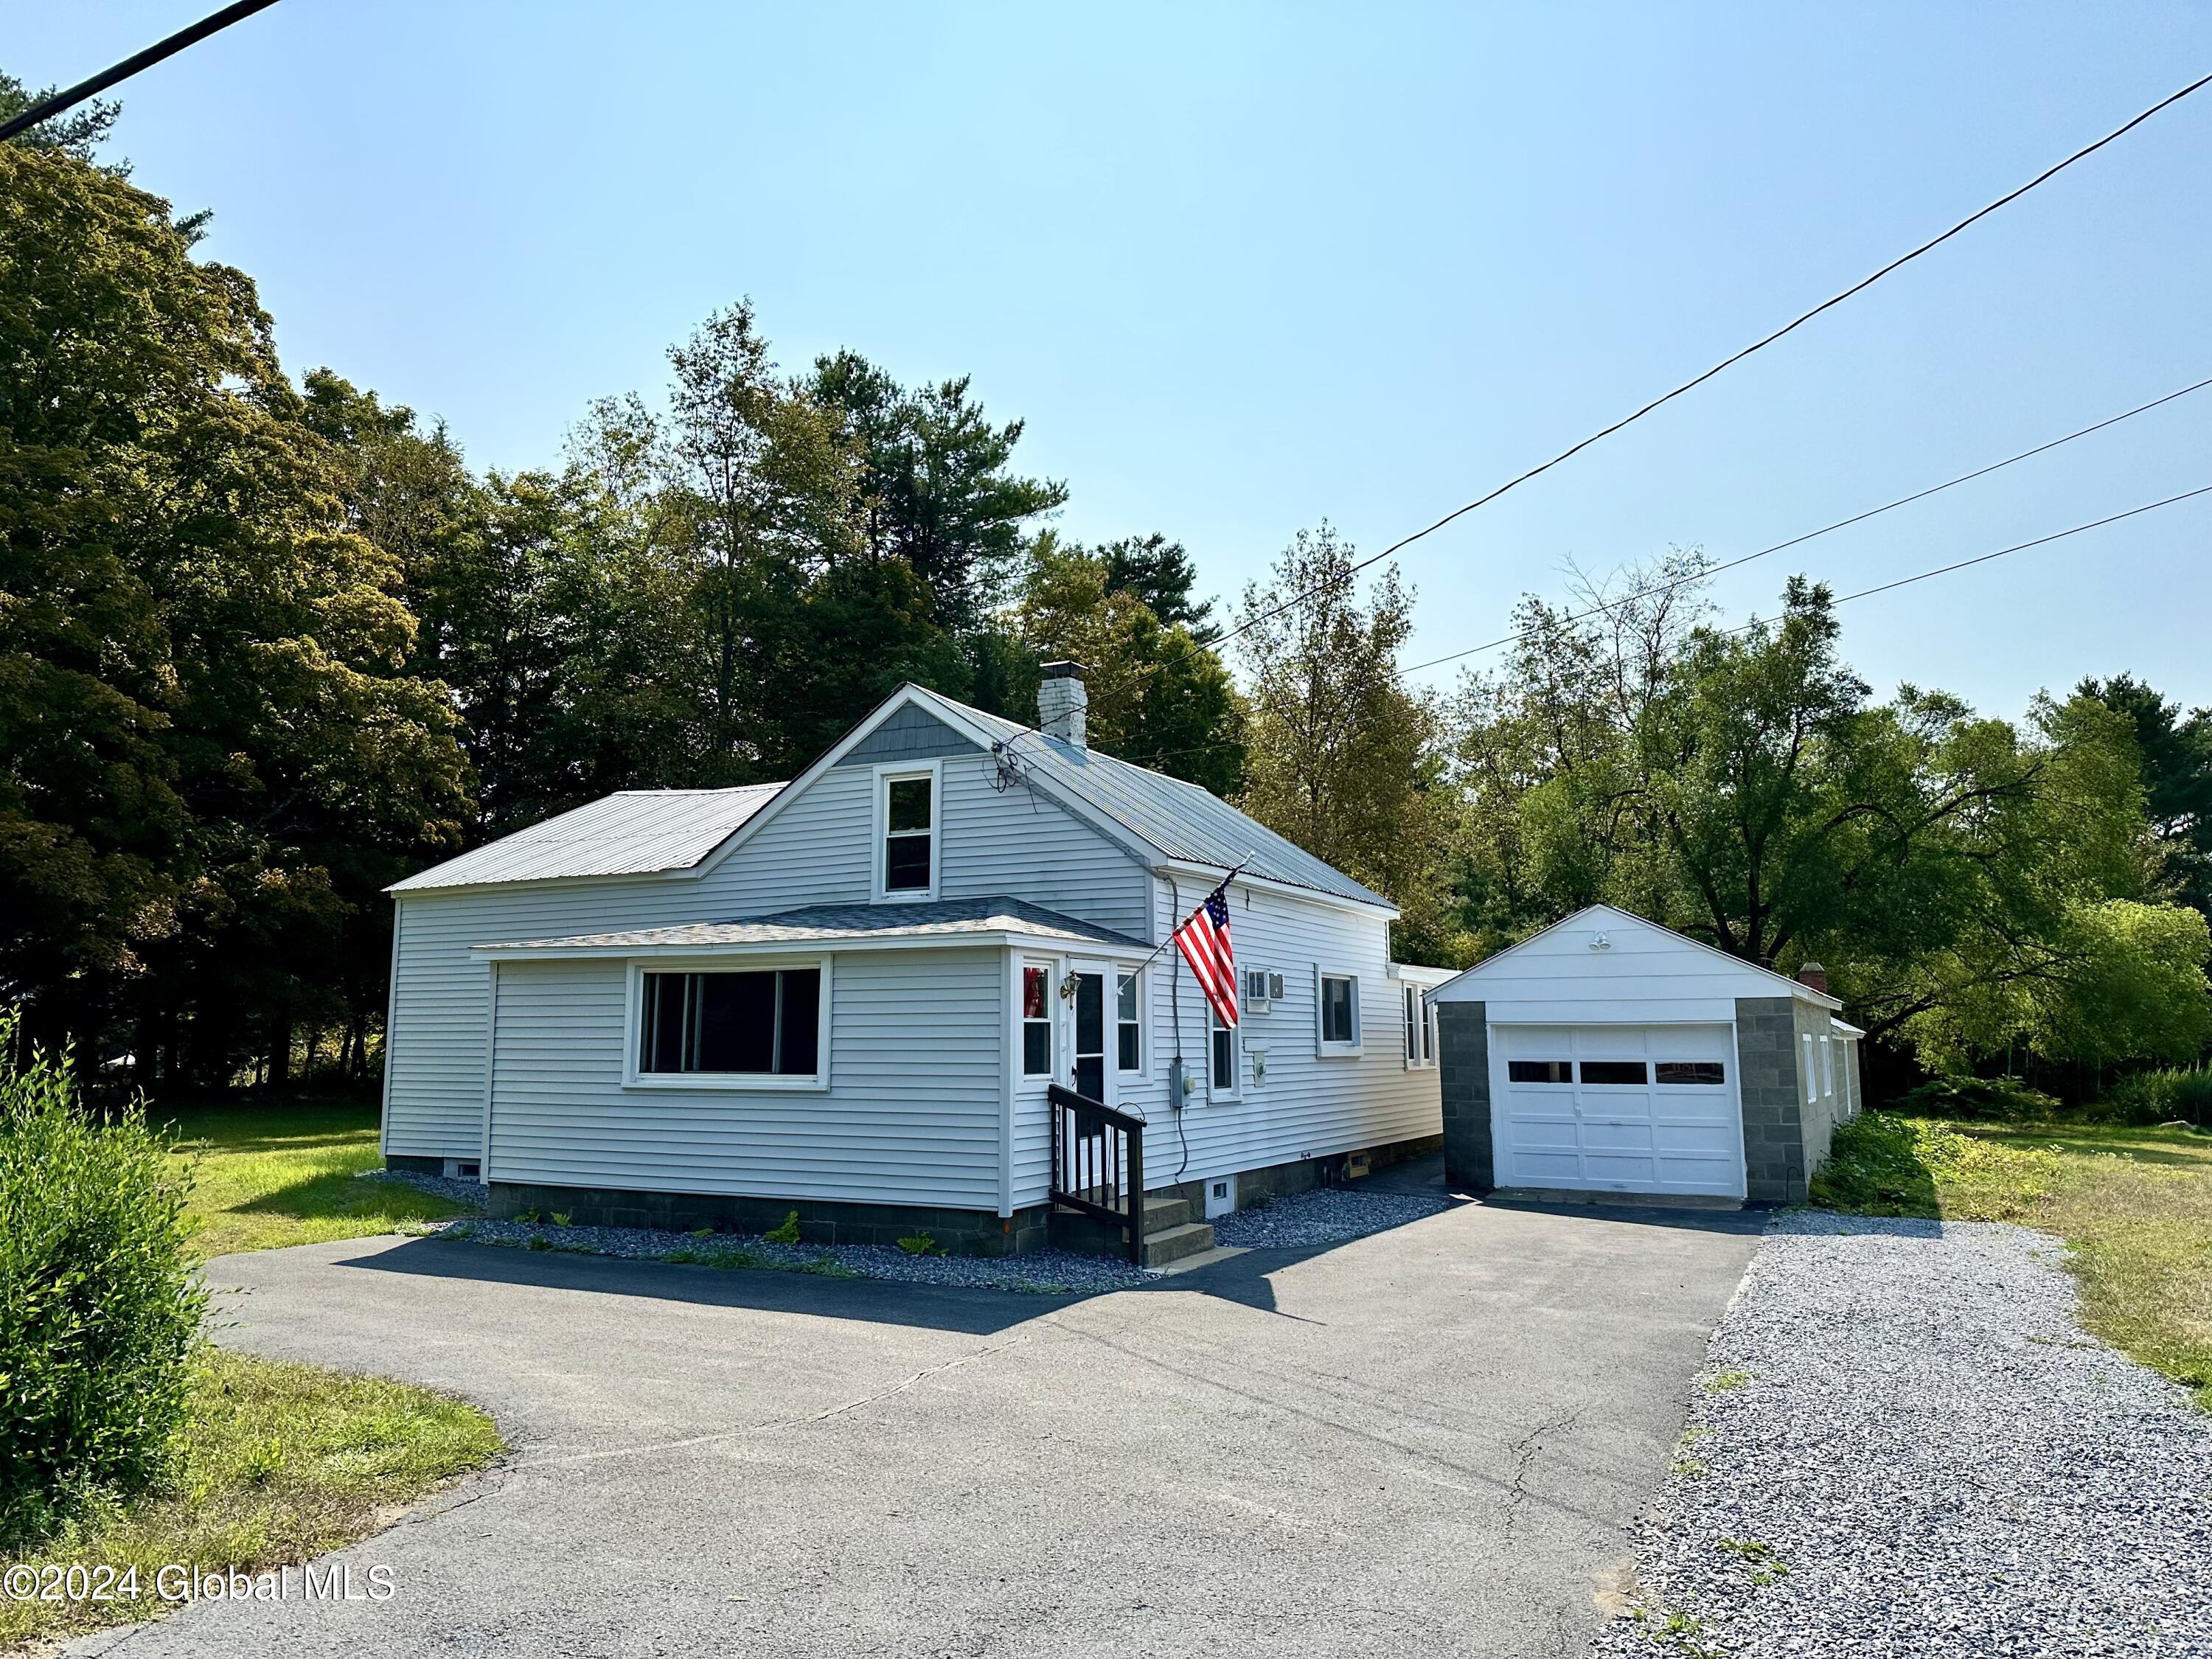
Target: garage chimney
{"x":1062,"y":703}
{"x":1815,"y":975}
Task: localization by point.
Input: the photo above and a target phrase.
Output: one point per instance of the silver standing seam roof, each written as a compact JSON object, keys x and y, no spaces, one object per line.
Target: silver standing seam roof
{"x":652,"y":831}
{"x":951,"y":920}
{"x":1185,"y":821}
{"x":637,"y":832}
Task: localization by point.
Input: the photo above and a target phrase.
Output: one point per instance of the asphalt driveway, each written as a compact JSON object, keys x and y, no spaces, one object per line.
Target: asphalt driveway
{"x":1425,"y":1442}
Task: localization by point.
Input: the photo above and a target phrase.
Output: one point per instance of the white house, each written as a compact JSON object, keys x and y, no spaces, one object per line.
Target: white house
{"x":1607,"y":1055}
{"x":853,"y":994}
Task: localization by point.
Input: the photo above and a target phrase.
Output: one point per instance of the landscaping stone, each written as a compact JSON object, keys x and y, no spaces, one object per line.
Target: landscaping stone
{"x":1330,"y":1215}
{"x":1904,"y":1444}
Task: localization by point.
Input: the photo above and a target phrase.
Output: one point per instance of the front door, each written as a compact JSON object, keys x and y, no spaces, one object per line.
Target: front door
{"x":1087,"y":1047}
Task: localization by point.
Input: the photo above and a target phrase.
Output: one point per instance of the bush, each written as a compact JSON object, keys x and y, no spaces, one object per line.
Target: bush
{"x":99,"y":1306}
{"x":2169,"y":1096}
{"x":1987,"y":1099}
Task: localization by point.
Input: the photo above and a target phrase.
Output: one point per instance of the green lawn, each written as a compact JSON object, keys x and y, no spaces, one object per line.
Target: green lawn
{"x":277,"y":1464}
{"x":269,"y":1175}
{"x":2135,"y":1204}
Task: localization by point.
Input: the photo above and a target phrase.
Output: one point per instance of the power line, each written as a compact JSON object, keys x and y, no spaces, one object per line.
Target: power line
{"x":1759,"y":344}
{"x":1659,"y":588}
{"x":1863,"y":593}
{"x":48,"y":107}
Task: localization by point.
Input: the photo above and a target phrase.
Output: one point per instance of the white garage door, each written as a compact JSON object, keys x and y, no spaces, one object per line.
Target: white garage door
{"x":1624,"y":1108}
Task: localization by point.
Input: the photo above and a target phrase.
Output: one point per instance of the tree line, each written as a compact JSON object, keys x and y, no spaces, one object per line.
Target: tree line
{"x":265,"y":647}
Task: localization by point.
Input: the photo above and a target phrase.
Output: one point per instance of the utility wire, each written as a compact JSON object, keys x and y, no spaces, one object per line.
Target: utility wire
{"x":1863,"y":593}
{"x":1759,"y":344}
{"x":46,"y":108}
{"x":1659,"y":588}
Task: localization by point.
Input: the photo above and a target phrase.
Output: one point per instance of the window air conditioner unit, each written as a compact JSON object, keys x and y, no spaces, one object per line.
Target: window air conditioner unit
{"x":1262,"y":990}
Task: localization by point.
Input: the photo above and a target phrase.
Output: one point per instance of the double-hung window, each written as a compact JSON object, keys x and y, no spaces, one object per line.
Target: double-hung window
{"x":1420,"y":1031}
{"x":751,"y":1025}
{"x":1337,"y":1015}
{"x":1036,"y":1020}
{"x":1220,"y":1056}
{"x":1128,"y":1021}
{"x":906,"y":833}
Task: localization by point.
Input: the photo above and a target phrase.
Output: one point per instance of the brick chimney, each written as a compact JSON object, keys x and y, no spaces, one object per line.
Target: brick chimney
{"x":1062,"y":703}
{"x":1813,"y":974}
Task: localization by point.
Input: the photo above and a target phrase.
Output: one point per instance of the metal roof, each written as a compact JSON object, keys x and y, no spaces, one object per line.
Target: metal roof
{"x":1183,"y":821}
{"x":951,"y":920}
{"x":634,"y":833}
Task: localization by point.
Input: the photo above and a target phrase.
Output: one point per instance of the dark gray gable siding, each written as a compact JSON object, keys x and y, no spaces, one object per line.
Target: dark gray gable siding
{"x":910,"y":734}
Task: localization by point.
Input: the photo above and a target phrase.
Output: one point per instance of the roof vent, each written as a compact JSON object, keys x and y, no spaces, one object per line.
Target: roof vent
{"x":1815,"y":975}
{"x":1063,"y":703}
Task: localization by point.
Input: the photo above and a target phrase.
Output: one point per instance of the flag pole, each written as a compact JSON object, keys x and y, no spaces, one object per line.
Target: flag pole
{"x":1235,"y":871}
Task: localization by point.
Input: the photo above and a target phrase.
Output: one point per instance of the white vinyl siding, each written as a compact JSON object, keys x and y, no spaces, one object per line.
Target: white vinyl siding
{"x":818,"y":848}
{"x":912,"y":1117}
{"x":1307,"y":1107}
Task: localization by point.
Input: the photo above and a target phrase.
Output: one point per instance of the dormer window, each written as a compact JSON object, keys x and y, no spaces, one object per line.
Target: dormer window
{"x":906,"y":833}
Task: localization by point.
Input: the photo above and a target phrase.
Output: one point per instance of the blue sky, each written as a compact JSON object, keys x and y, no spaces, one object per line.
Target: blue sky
{"x":1243,"y":268}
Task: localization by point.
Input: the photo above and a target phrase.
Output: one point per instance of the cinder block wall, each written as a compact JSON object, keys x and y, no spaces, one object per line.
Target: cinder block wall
{"x":1773,"y":1103}
{"x":1463,"y":1062}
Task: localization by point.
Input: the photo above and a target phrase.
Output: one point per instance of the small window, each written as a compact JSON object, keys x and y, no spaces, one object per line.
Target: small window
{"x":909,"y":823}
{"x":1221,"y":1055}
{"x":766,"y":1023}
{"x":1615,"y":1072}
{"x":1701,"y":1072}
{"x":1128,"y":1024}
{"x":1036,"y":1020}
{"x":1539,"y":1071}
{"x":1827,"y":1068}
{"x":1339,"y":1011}
{"x":1420,"y":1030}
{"x":1812,"y":1081}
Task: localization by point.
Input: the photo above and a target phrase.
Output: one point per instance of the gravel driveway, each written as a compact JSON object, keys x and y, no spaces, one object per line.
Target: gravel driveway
{"x":1904,"y":1445}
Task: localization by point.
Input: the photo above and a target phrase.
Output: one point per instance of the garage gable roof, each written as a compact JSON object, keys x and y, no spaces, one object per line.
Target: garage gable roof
{"x":1610,"y":917}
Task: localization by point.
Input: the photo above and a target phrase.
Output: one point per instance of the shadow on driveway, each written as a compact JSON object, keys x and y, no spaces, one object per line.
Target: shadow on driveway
{"x":975,"y":1312}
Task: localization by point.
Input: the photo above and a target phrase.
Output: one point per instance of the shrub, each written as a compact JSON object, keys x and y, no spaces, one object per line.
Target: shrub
{"x":920,"y":1243}
{"x":99,"y":1306}
{"x":1992,"y":1099}
{"x":787,"y":1234}
{"x":2166,"y":1097}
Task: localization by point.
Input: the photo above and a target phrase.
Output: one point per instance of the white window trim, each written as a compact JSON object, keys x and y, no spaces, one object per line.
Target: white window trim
{"x":742,"y":1083}
{"x":1812,"y":1077}
{"x":1827,"y":1069}
{"x":1053,"y":973}
{"x":884,"y":776}
{"x":1144,"y":1066}
{"x":1424,"y":1013}
{"x":1234,"y":1091}
{"x":1324,"y":1049}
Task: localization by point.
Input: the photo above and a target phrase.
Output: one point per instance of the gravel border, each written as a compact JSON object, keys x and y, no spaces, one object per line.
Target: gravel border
{"x":1050,"y":1272}
{"x":1904,"y":1445}
{"x":1326,"y":1215}
{"x":474,"y":1193}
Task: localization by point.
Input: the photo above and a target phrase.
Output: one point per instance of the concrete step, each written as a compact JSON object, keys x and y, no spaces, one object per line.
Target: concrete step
{"x":1073,"y":1229}
{"x":1191,"y":1239}
{"x":1163,"y":1213}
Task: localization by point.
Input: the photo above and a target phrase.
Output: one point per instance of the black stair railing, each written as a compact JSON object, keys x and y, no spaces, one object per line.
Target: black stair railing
{"x":1098,"y":1163}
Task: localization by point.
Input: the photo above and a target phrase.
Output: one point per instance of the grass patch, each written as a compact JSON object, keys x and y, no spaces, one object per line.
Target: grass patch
{"x":2134,"y":1204}
{"x":277,"y":1463}
{"x":268,"y":1175}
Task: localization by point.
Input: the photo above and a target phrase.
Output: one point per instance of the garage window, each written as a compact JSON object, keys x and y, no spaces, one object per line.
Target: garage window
{"x":1630,"y":1071}
{"x":1709,"y":1072}
{"x":1539,"y":1071}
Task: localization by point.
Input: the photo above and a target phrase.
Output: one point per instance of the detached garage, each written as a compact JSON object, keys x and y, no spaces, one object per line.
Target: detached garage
{"x":1609,"y":1055}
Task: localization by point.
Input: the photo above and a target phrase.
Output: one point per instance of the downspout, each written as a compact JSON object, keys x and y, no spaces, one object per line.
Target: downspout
{"x":1010,"y":1038}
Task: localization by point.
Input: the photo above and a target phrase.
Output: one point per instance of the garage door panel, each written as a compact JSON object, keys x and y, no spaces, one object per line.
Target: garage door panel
{"x":1609,"y":1132}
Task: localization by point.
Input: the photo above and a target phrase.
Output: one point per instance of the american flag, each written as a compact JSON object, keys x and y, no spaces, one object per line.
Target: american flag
{"x":1203,"y":938}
